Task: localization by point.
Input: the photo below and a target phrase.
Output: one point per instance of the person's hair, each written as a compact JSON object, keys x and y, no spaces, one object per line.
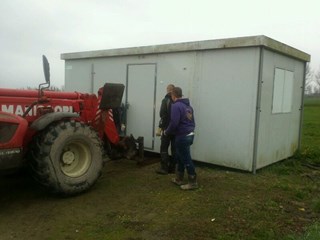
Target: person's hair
{"x":177,"y":92}
{"x":170,"y":87}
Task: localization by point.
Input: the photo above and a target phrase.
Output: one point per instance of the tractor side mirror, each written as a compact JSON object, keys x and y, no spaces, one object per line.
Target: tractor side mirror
{"x":111,"y":96}
{"x":46,"y":69}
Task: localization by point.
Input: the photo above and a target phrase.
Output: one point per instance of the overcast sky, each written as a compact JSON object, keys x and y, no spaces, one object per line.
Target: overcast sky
{"x":31,"y":28}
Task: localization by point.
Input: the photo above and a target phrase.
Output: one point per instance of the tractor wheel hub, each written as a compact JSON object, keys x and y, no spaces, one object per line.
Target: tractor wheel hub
{"x":68,"y":157}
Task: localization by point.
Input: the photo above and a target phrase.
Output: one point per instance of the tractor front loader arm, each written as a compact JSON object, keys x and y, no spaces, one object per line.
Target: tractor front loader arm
{"x":109,"y":99}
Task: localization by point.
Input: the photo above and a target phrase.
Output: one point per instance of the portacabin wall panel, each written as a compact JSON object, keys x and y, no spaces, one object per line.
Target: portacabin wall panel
{"x":177,"y":69}
{"x":111,"y":70}
{"x":279,"y":130}
{"x":227,"y":93}
{"x":78,"y":75}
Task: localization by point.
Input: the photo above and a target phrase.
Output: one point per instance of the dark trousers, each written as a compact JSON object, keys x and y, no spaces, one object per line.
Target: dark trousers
{"x":167,"y":141}
{"x":183,"y":156}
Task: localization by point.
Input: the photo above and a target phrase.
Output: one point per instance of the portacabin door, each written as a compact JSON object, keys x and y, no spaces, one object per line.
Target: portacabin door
{"x":140,"y":101}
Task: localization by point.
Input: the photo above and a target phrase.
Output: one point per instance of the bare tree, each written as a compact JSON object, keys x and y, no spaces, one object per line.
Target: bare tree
{"x":51,"y":88}
{"x":308,"y":90}
{"x":54,"y":88}
{"x":317,"y":82}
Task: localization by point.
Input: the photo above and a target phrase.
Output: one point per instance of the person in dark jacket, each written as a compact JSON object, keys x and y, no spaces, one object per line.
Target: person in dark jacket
{"x":167,"y":163}
{"x":182,"y":125}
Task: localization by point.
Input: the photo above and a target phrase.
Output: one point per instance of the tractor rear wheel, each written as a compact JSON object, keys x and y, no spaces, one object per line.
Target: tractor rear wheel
{"x":67,"y":158}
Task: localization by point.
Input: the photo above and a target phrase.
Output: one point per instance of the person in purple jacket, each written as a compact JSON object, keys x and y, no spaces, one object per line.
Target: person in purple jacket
{"x":182,"y":125}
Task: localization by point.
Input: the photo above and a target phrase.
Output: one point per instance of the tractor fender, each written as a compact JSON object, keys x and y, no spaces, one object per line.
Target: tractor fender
{"x":42,"y":122}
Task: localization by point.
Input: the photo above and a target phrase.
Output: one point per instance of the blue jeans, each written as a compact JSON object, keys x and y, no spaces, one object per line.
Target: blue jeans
{"x":183,"y":156}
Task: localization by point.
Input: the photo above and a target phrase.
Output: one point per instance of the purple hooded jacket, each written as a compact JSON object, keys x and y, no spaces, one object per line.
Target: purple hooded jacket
{"x":182,"y":118}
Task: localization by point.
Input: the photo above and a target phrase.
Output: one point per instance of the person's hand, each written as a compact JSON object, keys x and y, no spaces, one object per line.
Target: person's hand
{"x":158,"y":132}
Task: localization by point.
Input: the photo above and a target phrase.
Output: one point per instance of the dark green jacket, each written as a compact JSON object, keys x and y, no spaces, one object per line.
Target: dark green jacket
{"x":165,"y":111}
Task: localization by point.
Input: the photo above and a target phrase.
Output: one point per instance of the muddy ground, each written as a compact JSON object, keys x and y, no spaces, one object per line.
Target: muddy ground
{"x":132,"y":202}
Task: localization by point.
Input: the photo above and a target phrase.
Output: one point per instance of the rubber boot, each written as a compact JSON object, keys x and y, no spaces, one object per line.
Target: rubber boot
{"x":163,"y":170}
{"x":192,"y":183}
{"x":178,"y":180}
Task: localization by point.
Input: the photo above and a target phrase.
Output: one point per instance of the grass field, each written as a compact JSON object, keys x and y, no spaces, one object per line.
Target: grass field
{"x":281,"y":201}
{"x":307,"y":163}
{"x":311,"y":130}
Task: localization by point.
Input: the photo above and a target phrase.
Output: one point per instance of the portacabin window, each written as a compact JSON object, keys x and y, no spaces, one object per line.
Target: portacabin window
{"x":282,"y":91}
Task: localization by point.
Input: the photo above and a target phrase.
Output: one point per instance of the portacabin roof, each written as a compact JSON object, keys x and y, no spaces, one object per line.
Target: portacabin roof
{"x":251,"y":41}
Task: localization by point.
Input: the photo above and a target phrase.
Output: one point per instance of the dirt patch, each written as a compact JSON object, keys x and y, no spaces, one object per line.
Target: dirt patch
{"x":132,"y":202}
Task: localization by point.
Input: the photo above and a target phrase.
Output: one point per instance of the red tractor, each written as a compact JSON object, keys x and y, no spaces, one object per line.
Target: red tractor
{"x":61,"y":136}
